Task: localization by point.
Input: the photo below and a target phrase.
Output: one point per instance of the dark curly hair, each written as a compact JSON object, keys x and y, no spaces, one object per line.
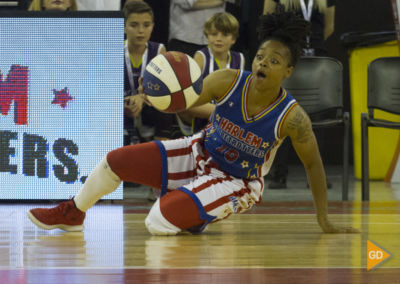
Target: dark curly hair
{"x":286,"y":27}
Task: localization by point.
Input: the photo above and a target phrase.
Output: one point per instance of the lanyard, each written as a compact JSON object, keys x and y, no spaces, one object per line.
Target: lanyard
{"x":128,"y":65}
{"x":307,"y":11}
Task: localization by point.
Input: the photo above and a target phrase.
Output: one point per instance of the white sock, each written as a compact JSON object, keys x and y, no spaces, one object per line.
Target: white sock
{"x":101,"y":181}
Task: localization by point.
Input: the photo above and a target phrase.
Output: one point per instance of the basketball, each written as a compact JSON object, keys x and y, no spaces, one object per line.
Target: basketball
{"x":172,"y":81}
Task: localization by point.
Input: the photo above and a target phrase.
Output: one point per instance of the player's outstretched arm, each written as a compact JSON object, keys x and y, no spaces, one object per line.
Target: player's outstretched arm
{"x":203,"y":111}
{"x":298,"y":127}
{"x":215,"y":85}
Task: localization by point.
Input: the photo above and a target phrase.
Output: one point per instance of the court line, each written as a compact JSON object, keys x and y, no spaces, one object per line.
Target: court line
{"x":183,"y":268}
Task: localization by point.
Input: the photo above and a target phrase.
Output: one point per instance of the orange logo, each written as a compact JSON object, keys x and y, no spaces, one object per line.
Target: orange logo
{"x":376,"y":255}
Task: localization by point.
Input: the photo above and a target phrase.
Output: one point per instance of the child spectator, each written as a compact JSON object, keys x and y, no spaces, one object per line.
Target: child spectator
{"x":221,"y":31}
{"x":141,"y":122}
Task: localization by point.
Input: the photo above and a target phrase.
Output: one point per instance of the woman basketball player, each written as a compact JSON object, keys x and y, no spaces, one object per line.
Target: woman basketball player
{"x":218,"y":171}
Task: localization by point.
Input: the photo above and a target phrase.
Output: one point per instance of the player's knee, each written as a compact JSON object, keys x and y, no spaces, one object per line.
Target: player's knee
{"x":156,"y":224}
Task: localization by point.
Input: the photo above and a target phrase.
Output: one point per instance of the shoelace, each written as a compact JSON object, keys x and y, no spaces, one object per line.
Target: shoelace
{"x":64,"y":208}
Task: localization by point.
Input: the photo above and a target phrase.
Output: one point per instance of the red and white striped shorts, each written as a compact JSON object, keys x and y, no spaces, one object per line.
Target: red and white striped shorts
{"x":187,"y":166}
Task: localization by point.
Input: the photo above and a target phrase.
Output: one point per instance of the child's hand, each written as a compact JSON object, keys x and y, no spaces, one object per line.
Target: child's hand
{"x":141,"y":92}
{"x":133,"y":105}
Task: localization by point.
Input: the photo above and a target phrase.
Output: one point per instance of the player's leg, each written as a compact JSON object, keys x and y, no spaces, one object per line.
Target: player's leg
{"x":172,"y":213}
{"x":209,"y":198}
{"x":176,"y":210}
{"x":139,"y":163}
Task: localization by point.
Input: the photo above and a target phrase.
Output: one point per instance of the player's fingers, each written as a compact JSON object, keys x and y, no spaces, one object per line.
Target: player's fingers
{"x":351,"y":230}
{"x":346,"y":230}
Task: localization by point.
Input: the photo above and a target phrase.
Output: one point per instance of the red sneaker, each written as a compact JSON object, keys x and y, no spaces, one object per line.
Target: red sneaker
{"x":65,"y":216}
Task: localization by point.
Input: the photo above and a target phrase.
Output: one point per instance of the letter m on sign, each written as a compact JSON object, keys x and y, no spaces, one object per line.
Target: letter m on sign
{"x":15,"y":89}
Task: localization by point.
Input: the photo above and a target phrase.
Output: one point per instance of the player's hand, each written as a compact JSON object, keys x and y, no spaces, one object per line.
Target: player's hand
{"x":329,"y":228}
{"x":133,"y":105}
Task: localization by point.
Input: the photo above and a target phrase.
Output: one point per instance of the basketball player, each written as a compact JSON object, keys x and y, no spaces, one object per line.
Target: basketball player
{"x":212,"y":174}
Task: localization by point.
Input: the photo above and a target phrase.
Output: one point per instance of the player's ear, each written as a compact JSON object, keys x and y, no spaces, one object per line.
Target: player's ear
{"x":289,"y":71}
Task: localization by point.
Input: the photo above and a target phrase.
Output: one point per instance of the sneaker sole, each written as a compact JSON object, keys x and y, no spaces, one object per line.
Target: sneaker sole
{"x":64,"y":227}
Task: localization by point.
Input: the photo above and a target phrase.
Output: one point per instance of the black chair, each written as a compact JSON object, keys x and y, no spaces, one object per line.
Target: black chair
{"x":317,"y":84}
{"x":383,"y":94}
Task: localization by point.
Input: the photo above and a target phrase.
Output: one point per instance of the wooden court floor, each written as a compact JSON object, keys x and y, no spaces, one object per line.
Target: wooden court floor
{"x":276,"y":242}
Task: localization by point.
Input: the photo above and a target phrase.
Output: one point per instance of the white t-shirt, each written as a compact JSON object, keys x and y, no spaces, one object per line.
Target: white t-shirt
{"x":99,"y":5}
{"x":186,"y":23}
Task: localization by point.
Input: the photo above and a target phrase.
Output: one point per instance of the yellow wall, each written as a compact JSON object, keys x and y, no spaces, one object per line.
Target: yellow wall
{"x":382,"y":142}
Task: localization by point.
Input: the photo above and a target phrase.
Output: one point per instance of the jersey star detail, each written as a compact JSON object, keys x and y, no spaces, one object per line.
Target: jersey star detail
{"x":265,"y":144}
{"x":241,"y":147}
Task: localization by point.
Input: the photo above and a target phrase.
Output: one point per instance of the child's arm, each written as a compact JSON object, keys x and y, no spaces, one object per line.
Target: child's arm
{"x":163,"y":50}
{"x":199,"y":58}
{"x":205,"y":4}
{"x":329,"y":18}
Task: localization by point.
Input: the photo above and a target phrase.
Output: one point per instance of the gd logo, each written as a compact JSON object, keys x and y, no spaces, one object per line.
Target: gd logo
{"x":376,"y":255}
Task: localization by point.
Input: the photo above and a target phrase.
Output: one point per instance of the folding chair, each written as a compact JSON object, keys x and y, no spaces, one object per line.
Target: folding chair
{"x":317,"y":84}
{"x":383,"y":94}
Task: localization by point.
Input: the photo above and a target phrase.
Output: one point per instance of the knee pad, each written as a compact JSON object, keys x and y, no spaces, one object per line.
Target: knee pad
{"x":157,"y":225}
{"x":101,"y":181}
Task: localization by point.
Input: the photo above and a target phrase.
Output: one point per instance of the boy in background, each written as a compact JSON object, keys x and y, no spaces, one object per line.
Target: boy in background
{"x":141,"y":122}
{"x":221,"y":31}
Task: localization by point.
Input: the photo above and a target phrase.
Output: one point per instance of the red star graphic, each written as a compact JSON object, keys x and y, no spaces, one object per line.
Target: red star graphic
{"x":61,"y":97}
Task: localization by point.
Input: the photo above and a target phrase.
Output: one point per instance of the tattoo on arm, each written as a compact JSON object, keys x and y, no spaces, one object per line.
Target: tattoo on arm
{"x":300,"y":123}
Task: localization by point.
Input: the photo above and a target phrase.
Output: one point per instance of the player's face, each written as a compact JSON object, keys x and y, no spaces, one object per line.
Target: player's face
{"x":138,"y":28}
{"x":271,"y":63}
{"x":218,"y":41}
{"x":56,"y":5}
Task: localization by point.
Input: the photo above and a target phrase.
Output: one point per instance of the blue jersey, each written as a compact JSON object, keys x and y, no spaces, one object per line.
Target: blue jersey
{"x":242,"y":145}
